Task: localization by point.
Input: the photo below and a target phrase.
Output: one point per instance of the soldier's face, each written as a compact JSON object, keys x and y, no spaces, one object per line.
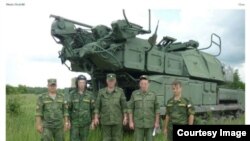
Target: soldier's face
{"x":111,"y":83}
{"x":176,"y":90}
{"x":144,"y":84}
{"x":81,"y":85}
{"x":52,"y":88}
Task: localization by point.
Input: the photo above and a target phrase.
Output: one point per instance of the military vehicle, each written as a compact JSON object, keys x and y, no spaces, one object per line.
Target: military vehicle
{"x":98,"y":50}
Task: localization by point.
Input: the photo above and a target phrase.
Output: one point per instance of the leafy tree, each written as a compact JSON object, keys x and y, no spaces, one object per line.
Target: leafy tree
{"x":237,"y":83}
{"x":13,"y":106}
{"x":22,"y":89}
{"x":10,"y":89}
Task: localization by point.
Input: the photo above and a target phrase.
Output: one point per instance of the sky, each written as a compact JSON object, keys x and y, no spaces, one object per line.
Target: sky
{"x":31,"y":54}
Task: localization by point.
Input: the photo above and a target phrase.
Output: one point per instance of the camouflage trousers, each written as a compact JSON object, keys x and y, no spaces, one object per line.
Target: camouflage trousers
{"x":79,"y":133}
{"x":143,"y":133}
{"x":112,"y":132}
{"x":52,"y":134}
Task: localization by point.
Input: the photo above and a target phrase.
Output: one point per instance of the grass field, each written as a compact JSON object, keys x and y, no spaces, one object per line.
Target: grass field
{"x":21,"y":127}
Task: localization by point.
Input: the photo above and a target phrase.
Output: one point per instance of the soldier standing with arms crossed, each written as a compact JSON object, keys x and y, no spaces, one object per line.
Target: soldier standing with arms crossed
{"x":143,"y":110}
{"x":81,"y":106}
{"x":111,"y":108}
{"x":179,"y":111}
{"x":51,"y":114}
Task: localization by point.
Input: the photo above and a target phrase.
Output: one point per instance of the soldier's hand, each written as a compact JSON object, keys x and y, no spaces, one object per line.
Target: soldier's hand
{"x":39,"y":128}
{"x":96,"y":121}
{"x":131,"y":125}
{"x":125,"y":120}
{"x":156,"y":125}
{"x":165,"y":131}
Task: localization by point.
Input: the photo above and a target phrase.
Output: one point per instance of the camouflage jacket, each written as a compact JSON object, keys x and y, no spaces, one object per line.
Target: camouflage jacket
{"x":52,"y":111}
{"x":144,"y":107}
{"x":111,"y":106}
{"x":81,"y":107}
{"x":179,"y":110}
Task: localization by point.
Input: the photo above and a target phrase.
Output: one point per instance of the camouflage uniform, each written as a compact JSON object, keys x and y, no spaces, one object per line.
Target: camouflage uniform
{"x":52,"y":112}
{"x":144,"y":107}
{"x":81,"y":107}
{"x":111,"y":107}
{"x":178,"y":112}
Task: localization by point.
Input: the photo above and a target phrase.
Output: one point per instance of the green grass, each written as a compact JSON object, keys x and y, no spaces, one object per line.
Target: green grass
{"x":22,"y":127}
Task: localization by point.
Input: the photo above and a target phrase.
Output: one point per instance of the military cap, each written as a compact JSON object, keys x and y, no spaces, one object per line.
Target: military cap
{"x":143,"y":77}
{"x":111,"y":76}
{"x":51,"y":81}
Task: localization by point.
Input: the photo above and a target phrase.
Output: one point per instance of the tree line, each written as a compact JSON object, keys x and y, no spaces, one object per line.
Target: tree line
{"x":236,"y":83}
{"x":23,"y":89}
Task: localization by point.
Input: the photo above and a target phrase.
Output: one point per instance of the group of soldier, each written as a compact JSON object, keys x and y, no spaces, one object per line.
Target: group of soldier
{"x":82,"y":111}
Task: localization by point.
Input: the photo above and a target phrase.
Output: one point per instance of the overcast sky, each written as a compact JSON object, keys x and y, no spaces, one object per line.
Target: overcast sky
{"x":31,"y":55}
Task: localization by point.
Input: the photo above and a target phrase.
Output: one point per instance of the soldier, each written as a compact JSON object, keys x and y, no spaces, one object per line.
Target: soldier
{"x":143,"y":110}
{"x":81,"y":106}
{"x":111,"y":107}
{"x":51,"y":114}
{"x":179,"y":110}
